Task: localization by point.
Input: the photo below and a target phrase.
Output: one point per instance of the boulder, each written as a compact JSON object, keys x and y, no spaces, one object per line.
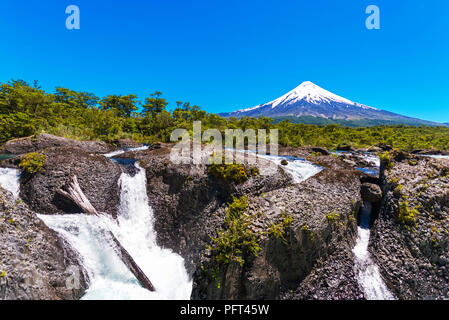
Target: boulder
{"x":371,"y":192}
{"x":322,"y":151}
{"x":374,"y":149}
{"x":36,"y":263}
{"x":384,"y":147}
{"x":410,"y":239}
{"x":188,"y":203}
{"x":127,"y":143}
{"x":97,"y":175}
{"x":430,"y":152}
{"x":45,"y":140}
{"x":318,"y":244}
{"x":345,"y":148}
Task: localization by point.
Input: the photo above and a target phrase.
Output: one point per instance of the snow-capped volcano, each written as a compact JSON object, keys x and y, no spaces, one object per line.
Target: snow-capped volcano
{"x":308,"y":99}
{"x":311,"y":93}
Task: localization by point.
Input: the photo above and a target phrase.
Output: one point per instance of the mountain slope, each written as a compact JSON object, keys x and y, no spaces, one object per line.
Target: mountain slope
{"x":311,"y":100}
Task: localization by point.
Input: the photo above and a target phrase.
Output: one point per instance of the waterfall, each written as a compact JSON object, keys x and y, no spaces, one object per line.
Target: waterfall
{"x":9,"y":180}
{"x":108,"y":275}
{"x":367,"y":272}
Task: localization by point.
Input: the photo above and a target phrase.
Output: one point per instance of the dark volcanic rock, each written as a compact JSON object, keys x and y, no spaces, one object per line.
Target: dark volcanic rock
{"x":374,"y":149}
{"x":45,"y":140}
{"x":127,"y":143}
{"x":188,"y":203}
{"x":324,"y":228}
{"x":36,"y":263}
{"x":97,"y":176}
{"x":410,"y":238}
{"x":431,"y":152}
{"x":384,"y":147}
{"x":345,"y":148}
{"x":332,"y":278}
{"x":371,"y":192}
{"x":323,"y":151}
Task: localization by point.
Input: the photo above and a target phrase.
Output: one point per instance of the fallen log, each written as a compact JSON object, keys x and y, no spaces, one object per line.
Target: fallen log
{"x":131,"y":264}
{"x":74,"y":193}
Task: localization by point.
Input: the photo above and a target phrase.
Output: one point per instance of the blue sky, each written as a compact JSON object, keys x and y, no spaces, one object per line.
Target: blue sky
{"x":228,"y":54}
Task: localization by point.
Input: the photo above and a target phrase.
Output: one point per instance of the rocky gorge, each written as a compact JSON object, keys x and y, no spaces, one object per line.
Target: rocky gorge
{"x":300,"y":224}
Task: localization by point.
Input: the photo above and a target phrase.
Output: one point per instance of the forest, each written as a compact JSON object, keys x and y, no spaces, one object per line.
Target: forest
{"x":26,"y":110}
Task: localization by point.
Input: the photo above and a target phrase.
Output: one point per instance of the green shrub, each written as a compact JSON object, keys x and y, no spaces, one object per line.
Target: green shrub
{"x":386,"y":159}
{"x":33,"y":162}
{"x":407,"y":215}
{"x":232,"y":173}
{"x":280,"y":230}
{"x":235,"y":240}
{"x":332,"y":216}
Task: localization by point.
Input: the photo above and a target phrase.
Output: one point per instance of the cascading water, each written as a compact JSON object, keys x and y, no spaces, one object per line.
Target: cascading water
{"x":120,"y":151}
{"x":9,"y":180}
{"x":300,"y":169}
{"x":367,"y":271}
{"x":109,"y":277}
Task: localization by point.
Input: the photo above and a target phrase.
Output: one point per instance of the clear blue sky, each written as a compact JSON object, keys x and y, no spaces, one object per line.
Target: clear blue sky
{"x":229,"y":54}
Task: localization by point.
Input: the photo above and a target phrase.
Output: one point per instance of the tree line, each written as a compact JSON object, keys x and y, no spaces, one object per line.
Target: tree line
{"x":26,"y":109}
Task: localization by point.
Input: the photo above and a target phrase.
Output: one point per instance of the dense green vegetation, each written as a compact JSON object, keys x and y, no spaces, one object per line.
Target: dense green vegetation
{"x":231,"y":172}
{"x":27,"y":110}
{"x":345,"y":123}
{"x":236,"y":240}
{"x":33,"y":162}
{"x":407,"y":214}
{"x":280,"y":230}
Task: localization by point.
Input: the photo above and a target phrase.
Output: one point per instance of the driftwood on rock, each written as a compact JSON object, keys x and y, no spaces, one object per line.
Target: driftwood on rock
{"x":73,"y":192}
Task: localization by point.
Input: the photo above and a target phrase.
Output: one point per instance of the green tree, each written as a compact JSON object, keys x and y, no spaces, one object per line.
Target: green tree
{"x":124,"y":105}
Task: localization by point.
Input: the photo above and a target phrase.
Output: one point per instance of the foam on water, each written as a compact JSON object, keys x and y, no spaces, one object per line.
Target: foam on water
{"x":109,"y":277}
{"x":9,"y":180}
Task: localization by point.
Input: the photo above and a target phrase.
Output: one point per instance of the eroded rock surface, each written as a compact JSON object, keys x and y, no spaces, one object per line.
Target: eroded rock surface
{"x":97,"y":176}
{"x":410,"y":239}
{"x":45,"y":140}
{"x":35,"y":263}
{"x":189,"y":207}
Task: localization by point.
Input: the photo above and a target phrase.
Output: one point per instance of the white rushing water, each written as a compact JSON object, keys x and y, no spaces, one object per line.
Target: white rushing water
{"x":300,"y":169}
{"x":367,"y":271}
{"x":9,"y":180}
{"x":109,"y":277}
{"x":120,"y":151}
{"x":436,"y":156}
